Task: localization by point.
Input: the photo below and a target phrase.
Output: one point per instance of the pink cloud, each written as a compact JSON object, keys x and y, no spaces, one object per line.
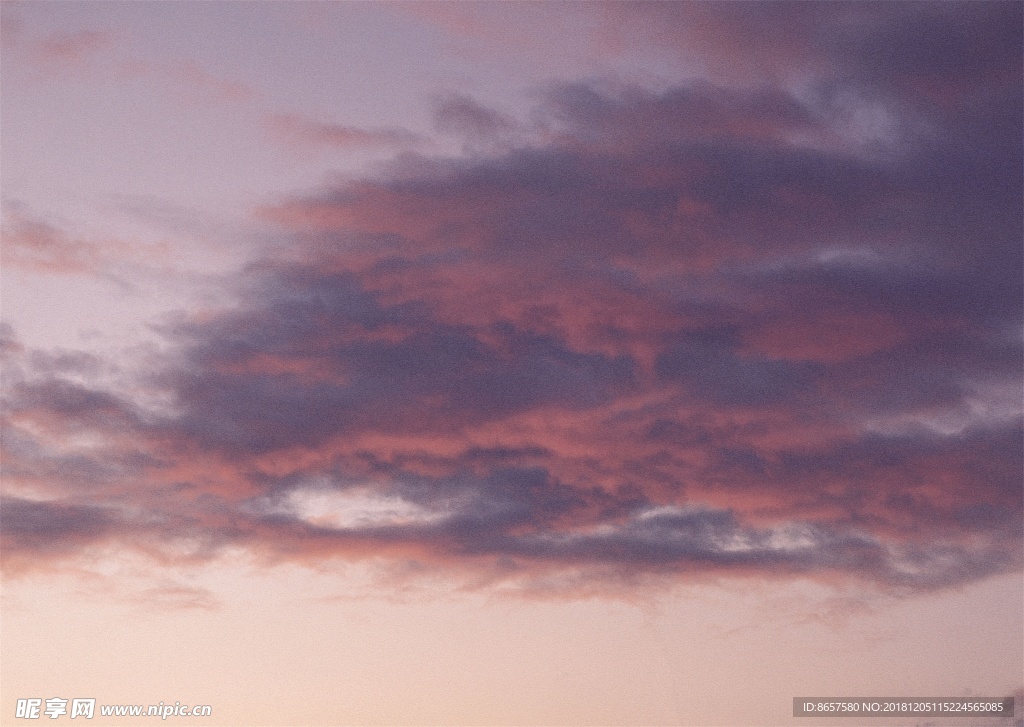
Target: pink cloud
{"x":189,"y":78}
{"x":302,"y":131}
{"x":32,"y":243}
{"x":72,"y":50}
{"x":191,"y":75}
{"x":663,"y":340}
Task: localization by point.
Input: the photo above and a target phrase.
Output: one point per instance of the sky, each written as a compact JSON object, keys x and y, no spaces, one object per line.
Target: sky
{"x":511,"y":363}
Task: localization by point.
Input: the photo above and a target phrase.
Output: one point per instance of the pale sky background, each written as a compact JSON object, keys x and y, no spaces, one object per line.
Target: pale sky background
{"x":510,"y":363}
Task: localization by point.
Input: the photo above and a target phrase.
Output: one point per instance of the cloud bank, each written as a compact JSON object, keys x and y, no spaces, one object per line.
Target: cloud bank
{"x":722,"y":329}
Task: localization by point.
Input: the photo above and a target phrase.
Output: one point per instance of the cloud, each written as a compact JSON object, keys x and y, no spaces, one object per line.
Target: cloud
{"x":65,"y":51}
{"x":32,"y":243}
{"x":480,"y":128}
{"x":300,"y":130}
{"x":177,"y":596}
{"x":92,"y":54}
{"x":707,"y":331}
{"x":12,"y":28}
{"x":38,"y":245}
{"x":49,"y":528}
{"x":924,"y":50}
{"x":189,"y":81}
{"x":191,"y":74}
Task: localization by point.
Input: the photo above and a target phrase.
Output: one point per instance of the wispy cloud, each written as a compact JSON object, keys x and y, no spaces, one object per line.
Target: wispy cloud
{"x":103,"y":53}
{"x":303,"y":131}
{"x":190,"y":80}
{"x":35,"y":244}
{"x":67,"y":51}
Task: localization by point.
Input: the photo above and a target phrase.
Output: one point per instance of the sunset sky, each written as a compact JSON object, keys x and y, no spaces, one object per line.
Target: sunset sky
{"x":511,"y":363}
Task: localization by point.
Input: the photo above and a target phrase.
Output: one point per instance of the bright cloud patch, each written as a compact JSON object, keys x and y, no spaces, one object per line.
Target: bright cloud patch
{"x":353,"y":509}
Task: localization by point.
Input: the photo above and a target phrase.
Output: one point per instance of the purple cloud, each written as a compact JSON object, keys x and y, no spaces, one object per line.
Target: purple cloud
{"x":700,"y":332}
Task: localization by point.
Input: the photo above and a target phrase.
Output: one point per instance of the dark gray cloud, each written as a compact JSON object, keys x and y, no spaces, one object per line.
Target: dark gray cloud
{"x":317,"y":355}
{"x":46,"y":526}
